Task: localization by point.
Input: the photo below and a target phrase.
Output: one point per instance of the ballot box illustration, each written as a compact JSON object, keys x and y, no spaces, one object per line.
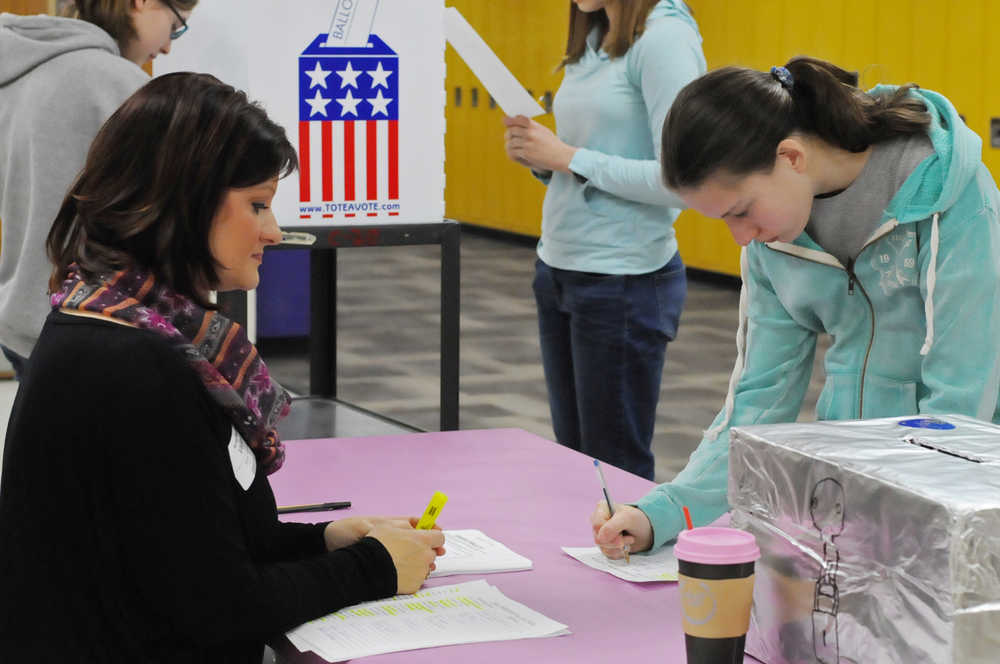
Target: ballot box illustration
{"x":357,"y":85}
{"x":348,"y":130}
{"x":880,"y":539}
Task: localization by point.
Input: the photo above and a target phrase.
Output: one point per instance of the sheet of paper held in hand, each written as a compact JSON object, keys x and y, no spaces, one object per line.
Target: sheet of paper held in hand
{"x":472,"y":552}
{"x":661,"y":565}
{"x":484,"y":63}
{"x":447,"y":615}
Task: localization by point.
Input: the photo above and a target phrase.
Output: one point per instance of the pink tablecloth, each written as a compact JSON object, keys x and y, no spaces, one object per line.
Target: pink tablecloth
{"x":527,"y":492}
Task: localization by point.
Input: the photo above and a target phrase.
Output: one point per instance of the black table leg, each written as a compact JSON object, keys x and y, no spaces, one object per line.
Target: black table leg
{"x":450,"y":309}
{"x":323,"y":323}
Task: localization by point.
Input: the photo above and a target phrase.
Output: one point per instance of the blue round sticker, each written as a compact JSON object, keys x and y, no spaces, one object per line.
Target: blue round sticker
{"x":927,"y":423}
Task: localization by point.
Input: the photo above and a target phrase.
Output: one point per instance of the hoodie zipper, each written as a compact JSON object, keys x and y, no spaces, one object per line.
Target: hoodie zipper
{"x":852,"y":280}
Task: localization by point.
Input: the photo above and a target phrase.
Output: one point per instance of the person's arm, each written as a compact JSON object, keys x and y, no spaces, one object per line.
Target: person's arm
{"x":271,"y":540}
{"x":665,"y":59}
{"x":181,"y":523}
{"x":777,"y":366}
{"x":961,"y":370}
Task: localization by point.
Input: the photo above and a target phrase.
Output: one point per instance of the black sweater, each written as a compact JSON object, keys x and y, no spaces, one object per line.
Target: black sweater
{"x":124,"y":535}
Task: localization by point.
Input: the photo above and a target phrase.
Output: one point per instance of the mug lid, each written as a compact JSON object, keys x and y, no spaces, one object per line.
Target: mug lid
{"x":714,"y":545}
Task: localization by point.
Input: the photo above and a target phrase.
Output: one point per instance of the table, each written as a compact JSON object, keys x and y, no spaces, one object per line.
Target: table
{"x":527,"y":492}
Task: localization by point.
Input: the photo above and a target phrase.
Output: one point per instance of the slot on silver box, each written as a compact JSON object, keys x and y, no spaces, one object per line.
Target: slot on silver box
{"x":880,"y":539}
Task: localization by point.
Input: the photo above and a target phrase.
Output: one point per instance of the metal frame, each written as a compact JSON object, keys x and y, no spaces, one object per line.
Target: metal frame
{"x":323,"y":298}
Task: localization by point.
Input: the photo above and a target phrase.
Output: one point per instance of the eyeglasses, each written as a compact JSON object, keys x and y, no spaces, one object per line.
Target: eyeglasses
{"x":184,"y":26}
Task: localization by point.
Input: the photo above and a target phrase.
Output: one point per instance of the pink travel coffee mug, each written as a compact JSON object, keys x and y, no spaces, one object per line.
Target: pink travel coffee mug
{"x":716,"y":573}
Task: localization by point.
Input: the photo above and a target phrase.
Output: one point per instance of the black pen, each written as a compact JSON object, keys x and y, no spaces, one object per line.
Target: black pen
{"x":316,"y":507}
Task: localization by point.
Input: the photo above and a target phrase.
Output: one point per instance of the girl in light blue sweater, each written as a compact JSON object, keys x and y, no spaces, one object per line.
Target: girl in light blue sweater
{"x":609,"y":283}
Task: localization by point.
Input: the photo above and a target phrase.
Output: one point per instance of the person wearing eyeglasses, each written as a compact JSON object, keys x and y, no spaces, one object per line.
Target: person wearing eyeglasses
{"x":60,"y":79}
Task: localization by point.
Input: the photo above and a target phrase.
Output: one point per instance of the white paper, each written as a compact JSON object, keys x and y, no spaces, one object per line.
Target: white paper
{"x":484,"y":63}
{"x":447,"y":615}
{"x":472,"y":552}
{"x":660,"y":565}
{"x":351,"y":23}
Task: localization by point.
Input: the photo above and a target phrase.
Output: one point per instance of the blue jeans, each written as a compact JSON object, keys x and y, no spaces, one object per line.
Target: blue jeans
{"x":604,"y":340}
{"x":18,"y":363}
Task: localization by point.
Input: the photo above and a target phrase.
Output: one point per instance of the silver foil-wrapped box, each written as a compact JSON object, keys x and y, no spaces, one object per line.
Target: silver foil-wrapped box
{"x":880,"y":539}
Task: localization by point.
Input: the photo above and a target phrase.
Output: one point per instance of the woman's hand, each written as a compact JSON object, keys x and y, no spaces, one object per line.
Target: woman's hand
{"x":609,"y":533}
{"x":346,"y":532}
{"x":412,"y":551}
{"x":534,"y":145}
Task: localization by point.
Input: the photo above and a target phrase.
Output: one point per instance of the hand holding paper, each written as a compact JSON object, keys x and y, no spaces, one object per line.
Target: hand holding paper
{"x":534,"y":145}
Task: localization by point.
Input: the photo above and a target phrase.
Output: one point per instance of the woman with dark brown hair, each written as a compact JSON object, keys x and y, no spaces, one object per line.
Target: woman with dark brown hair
{"x":60,"y":79}
{"x":609,"y":281}
{"x":136,"y":517}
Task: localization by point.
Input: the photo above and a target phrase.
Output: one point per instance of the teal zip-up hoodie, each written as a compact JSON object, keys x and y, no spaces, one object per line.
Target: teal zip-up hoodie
{"x":914,"y":319}
{"x":615,"y":216}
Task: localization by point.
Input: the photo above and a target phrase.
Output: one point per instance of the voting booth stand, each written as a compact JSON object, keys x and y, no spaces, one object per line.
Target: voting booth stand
{"x":358,"y":86}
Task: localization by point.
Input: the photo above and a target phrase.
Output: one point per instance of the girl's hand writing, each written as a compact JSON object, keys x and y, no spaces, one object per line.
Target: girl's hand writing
{"x":608,"y":532}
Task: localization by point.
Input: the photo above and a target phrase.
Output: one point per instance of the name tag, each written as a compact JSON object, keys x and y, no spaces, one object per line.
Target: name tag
{"x":243,"y":459}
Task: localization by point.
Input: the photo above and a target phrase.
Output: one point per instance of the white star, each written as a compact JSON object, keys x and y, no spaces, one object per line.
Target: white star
{"x":318,"y":104}
{"x":318,"y":76}
{"x":349,"y":104}
{"x":348,"y":76}
{"x":379,"y":76}
{"x":379,"y":104}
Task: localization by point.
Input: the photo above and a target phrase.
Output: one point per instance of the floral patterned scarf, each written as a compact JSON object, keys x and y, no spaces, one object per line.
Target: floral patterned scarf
{"x":215,"y":347}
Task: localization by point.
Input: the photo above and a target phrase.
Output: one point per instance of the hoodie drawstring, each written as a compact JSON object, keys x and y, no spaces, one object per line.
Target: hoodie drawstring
{"x":931,"y":280}
{"x":741,"y":347}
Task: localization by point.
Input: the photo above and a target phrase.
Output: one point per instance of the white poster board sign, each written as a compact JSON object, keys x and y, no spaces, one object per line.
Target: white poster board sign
{"x":358,"y":86}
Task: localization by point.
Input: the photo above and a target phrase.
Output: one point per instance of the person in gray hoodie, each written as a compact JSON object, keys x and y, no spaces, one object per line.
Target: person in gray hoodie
{"x":60,"y":79}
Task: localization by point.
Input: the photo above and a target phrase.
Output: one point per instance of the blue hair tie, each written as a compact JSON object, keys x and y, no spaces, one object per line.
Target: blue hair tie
{"x":783,"y":76}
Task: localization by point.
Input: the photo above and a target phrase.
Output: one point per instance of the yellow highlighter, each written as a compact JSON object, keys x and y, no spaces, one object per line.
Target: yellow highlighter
{"x":433,"y":509}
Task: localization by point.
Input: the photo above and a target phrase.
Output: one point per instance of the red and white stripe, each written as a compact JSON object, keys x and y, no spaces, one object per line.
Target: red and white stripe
{"x":348,"y":161}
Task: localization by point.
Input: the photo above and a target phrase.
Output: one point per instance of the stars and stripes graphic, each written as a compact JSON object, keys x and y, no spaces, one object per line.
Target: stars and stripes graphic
{"x":348,"y":130}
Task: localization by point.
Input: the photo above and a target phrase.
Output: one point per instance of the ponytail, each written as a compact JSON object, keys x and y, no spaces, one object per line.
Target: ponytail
{"x":732,"y":119}
{"x":829,"y":105}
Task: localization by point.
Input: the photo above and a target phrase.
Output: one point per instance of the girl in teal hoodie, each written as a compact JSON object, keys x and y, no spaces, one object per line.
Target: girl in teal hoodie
{"x":869,"y":217}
